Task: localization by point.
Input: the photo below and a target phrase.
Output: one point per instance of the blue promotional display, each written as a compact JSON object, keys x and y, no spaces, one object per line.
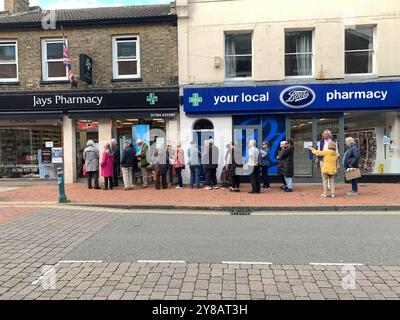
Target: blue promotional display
{"x":140,"y":132}
{"x":338,"y":97}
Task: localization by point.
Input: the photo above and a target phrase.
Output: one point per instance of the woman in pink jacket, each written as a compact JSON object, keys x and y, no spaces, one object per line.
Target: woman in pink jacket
{"x":107,"y":167}
{"x":179,"y":164}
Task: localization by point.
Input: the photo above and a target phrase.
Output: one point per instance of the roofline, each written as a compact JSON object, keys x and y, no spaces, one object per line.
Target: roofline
{"x":170,"y":18}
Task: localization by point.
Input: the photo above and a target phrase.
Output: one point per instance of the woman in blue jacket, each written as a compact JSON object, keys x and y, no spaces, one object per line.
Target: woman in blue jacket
{"x":351,"y":159}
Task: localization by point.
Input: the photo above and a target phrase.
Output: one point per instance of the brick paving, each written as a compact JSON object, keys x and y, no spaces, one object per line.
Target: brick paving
{"x":304,"y":195}
{"x":8,"y":213}
{"x":29,"y":242}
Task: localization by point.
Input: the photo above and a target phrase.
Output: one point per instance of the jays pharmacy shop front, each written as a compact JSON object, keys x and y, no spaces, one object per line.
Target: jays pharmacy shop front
{"x":31,"y":125}
{"x":366,"y":111}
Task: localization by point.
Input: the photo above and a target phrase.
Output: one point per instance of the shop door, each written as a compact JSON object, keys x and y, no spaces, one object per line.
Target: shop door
{"x":308,"y":131}
{"x":199,"y":137}
{"x":331,"y":124}
{"x":301,"y":134}
{"x":242,"y":136}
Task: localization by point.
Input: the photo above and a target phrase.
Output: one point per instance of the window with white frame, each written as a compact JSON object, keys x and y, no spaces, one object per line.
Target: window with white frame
{"x":8,"y":61}
{"x":53,"y":67}
{"x":126,"y":57}
{"x":238,"y":55}
{"x":298,"y":53}
{"x":359,"y":50}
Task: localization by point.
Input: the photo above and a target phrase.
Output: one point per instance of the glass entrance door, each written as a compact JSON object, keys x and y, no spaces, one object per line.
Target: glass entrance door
{"x":331,"y":124}
{"x":308,"y":131}
{"x":301,"y":134}
{"x":242,"y":135}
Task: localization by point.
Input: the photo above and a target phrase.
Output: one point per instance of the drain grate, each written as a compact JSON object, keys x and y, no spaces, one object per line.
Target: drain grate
{"x":240,"y":212}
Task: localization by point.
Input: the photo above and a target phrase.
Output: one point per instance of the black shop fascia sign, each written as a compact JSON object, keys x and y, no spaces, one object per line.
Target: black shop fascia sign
{"x":153,"y":102}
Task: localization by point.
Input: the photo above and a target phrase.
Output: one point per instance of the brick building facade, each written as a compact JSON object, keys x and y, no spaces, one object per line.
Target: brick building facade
{"x":134,"y":67}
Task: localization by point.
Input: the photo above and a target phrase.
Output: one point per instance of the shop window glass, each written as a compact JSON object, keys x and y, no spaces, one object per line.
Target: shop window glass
{"x":377,"y":138}
{"x":24,"y":154}
{"x":246,"y":120}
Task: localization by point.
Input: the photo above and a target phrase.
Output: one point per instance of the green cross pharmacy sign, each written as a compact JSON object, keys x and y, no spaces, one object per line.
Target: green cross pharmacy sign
{"x":152,"y":98}
{"x":195,"y":99}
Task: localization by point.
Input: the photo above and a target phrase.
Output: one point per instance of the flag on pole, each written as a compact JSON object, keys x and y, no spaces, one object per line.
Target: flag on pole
{"x":67,"y":60}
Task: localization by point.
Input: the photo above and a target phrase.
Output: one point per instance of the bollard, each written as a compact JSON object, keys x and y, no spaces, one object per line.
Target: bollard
{"x":62,"y":197}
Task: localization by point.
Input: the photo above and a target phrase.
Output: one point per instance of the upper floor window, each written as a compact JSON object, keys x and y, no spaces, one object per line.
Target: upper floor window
{"x":53,"y":67}
{"x":359,"y":50}
{"x":126,"y":57}
{"x":8,"y":61}
{"x":238,"y":55}
{"x":298,"y":53}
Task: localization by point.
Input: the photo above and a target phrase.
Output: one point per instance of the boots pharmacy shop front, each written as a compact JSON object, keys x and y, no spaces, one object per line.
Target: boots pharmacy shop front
{"x":369,"y":112}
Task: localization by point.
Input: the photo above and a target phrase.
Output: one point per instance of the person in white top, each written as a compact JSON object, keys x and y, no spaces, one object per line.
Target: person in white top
{"x":254,"y":168}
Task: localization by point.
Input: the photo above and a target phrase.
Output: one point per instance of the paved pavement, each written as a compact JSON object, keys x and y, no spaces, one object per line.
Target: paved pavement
{"x":305,"y":195}
{"x":8,"y":213}
{"x":33,"y":241}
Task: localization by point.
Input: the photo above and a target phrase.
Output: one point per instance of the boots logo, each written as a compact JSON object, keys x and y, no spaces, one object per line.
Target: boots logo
{"x":297,"y":97}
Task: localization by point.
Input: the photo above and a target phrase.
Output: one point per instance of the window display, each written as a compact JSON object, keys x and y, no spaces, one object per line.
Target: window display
{"x":372,"y":134}
{"x":24,"y":154}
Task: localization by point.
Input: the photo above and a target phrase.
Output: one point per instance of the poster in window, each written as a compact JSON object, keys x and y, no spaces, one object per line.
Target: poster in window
{"x":57,"y":155}
{"x":46,"y":156}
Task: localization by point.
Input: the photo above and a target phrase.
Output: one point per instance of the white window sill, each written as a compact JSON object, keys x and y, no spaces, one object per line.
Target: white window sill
{"x":299,"y":77}
{"x":5,"y":80}
{"x":360,"y":76}
{"x":235,"y":80}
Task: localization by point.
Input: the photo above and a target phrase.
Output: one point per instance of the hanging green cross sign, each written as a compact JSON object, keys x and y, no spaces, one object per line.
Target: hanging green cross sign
{"x":152,"y":98}
{"x":195,"y":99}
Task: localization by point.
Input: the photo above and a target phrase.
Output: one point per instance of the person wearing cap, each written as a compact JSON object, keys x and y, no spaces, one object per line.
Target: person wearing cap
{"x":91,"y":157}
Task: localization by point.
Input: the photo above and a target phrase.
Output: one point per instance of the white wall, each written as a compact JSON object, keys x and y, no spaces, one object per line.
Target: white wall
{"x":222,"y":136}
{"x":202,"y":24}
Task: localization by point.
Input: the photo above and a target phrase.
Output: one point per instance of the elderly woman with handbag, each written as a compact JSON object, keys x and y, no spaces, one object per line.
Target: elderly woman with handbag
{"x":351,"y":161}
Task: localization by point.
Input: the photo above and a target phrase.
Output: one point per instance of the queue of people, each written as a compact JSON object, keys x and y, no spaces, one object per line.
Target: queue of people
{"x":136,"y":163}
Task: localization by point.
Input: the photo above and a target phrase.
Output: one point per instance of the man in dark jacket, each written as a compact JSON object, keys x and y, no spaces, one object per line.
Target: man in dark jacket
{"x":127,"y":163}
{"x":117,"y":161}
{"x":210,"y":157}
{"x":286,"y":165}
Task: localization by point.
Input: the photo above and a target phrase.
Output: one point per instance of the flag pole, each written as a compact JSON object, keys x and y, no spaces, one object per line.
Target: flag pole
{"x":74,"y":83}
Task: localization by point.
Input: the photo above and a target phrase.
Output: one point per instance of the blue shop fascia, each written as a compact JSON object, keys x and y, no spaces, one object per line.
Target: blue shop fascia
{"x":368,"y":111}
